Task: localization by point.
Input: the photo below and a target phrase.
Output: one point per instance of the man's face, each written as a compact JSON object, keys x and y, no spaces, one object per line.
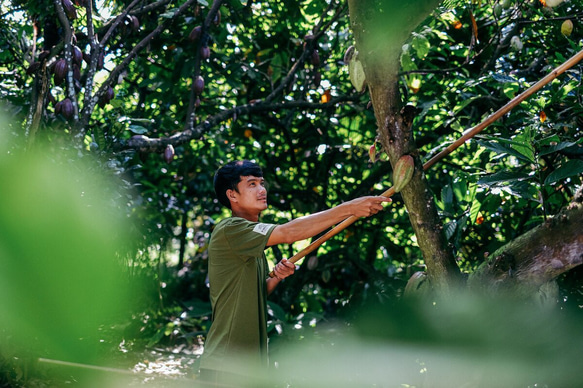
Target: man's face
{"x":252,"y":193}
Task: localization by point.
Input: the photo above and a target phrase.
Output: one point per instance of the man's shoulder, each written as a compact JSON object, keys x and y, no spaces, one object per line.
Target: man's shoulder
{"x":233,"y":224}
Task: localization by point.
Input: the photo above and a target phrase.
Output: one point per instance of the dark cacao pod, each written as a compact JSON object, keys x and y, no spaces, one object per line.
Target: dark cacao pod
{"x":109,"y":94}
{"x":169,"y":153}
{"x":67,"y":109}
{"x":33,"y":68}
{"x":60,"y":69}
{"x":77,"y":55}
{"x":217,"y":19}
{"x":58,"y":107}
{"x":198,"y":85}
{"x":205,"y":52}
{"x":135,"y":24}
{"x":348,"y":55}
{"x":76,"y":72}
{"x":195,"y":34}
{"x":69,"y":9}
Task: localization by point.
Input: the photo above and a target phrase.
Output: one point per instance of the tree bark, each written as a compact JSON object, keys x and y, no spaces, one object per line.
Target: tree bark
{"x":380,"y":28}
{"x":537,"y":257}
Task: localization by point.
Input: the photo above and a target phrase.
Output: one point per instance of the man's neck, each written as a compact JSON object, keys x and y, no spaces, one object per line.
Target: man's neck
{"x":253,"y":217}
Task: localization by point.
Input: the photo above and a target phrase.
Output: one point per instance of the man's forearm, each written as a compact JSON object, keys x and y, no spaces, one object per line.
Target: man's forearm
{"x":308,"y":226}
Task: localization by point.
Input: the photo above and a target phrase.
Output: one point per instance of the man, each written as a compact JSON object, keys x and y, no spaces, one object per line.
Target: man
{"x":238,"y":272}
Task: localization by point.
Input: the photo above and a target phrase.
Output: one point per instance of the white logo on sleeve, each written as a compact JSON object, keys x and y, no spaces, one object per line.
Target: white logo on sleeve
{"x":262,"y":228}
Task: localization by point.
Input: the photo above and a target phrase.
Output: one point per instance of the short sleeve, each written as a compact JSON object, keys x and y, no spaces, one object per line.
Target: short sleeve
{"x":247,"y":238}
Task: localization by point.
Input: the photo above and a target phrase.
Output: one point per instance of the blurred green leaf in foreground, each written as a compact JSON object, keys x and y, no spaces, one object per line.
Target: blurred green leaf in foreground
{"x":60,"y":239}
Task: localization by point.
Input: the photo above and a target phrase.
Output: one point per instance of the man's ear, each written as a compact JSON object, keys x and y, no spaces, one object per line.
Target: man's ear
{"x":231,"y":195}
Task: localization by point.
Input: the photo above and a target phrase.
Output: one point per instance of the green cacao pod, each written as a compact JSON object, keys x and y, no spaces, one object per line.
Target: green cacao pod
{"x":403,"y":172}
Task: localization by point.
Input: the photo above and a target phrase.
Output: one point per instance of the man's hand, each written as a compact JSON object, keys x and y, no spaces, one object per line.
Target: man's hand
{"x":283,"y":269}
{"x":367,"y":206}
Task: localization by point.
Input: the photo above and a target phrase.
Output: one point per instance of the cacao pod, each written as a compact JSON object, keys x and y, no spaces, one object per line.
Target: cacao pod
{"x":553,"y":3}
{"x":169,"y":153}
{"x":69,"y":9}
{"x":135,"y":24}
{"x":67,"y":108}
{"x":33,"y":68}
{"x":198,"y":85}
{"x":356,"y":73}
{"x":348,"y":55}
{"x":109,"y":94}
{"x":315,"y":58}
{"x":312,"y":263}
{"x":77,"y":55}
{"x":58,"y":107}
{"x":567,"y":27}
{"x":76,"y":72}
{"x":60,"y":69}
{"x":205,"y":52}
{"x":197,"y":102}
{"x":217,"y":19}
{"x":404,"y":169}
{"x":195,"y":34}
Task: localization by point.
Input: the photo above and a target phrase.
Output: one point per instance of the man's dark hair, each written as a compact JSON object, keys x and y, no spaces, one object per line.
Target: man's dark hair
{"x":229,"y":176}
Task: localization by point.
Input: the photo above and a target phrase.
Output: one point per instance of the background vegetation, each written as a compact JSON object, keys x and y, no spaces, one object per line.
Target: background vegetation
{"x":160,"y":94}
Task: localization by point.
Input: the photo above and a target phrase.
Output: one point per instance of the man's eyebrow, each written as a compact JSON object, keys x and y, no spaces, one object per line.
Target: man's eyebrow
{"x":254,"y":178}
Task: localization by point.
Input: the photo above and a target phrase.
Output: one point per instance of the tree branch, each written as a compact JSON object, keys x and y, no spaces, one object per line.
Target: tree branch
{"x":537,"y":257}
{"x":146,"y":144}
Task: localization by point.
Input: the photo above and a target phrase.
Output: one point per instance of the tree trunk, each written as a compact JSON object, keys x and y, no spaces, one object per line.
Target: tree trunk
{"x":380,"y":29}
{"x":537,"y":257}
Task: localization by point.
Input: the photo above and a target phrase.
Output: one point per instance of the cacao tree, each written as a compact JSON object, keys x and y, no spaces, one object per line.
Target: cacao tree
{"x":164,"y":92}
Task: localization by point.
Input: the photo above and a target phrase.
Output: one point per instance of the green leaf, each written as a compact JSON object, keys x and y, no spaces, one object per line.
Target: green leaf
{"x":421,"y":45}
{"x":169,"y":14}
{"x":504,"y":78}
{"x":137,"y":129}
{"x":503,"y":176}
{"x":450,"y":228}
{"x":447,"y":197}
{"x":523,"y":144}
{"x":475,"y":210}
{"x":571,"y":168}
{"x":276,"y":311}
{"x":502,"y":149}
{"x":557,"y":147}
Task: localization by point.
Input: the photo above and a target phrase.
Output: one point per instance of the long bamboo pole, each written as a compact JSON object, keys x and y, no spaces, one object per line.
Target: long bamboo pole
{"x":452,"y":147}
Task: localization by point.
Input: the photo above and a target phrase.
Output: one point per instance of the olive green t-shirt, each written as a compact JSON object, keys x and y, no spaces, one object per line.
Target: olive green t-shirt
{"x":237,"y":271}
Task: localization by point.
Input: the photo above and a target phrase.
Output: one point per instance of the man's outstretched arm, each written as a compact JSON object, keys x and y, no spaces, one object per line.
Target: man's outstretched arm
{"x":310,"y":225}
